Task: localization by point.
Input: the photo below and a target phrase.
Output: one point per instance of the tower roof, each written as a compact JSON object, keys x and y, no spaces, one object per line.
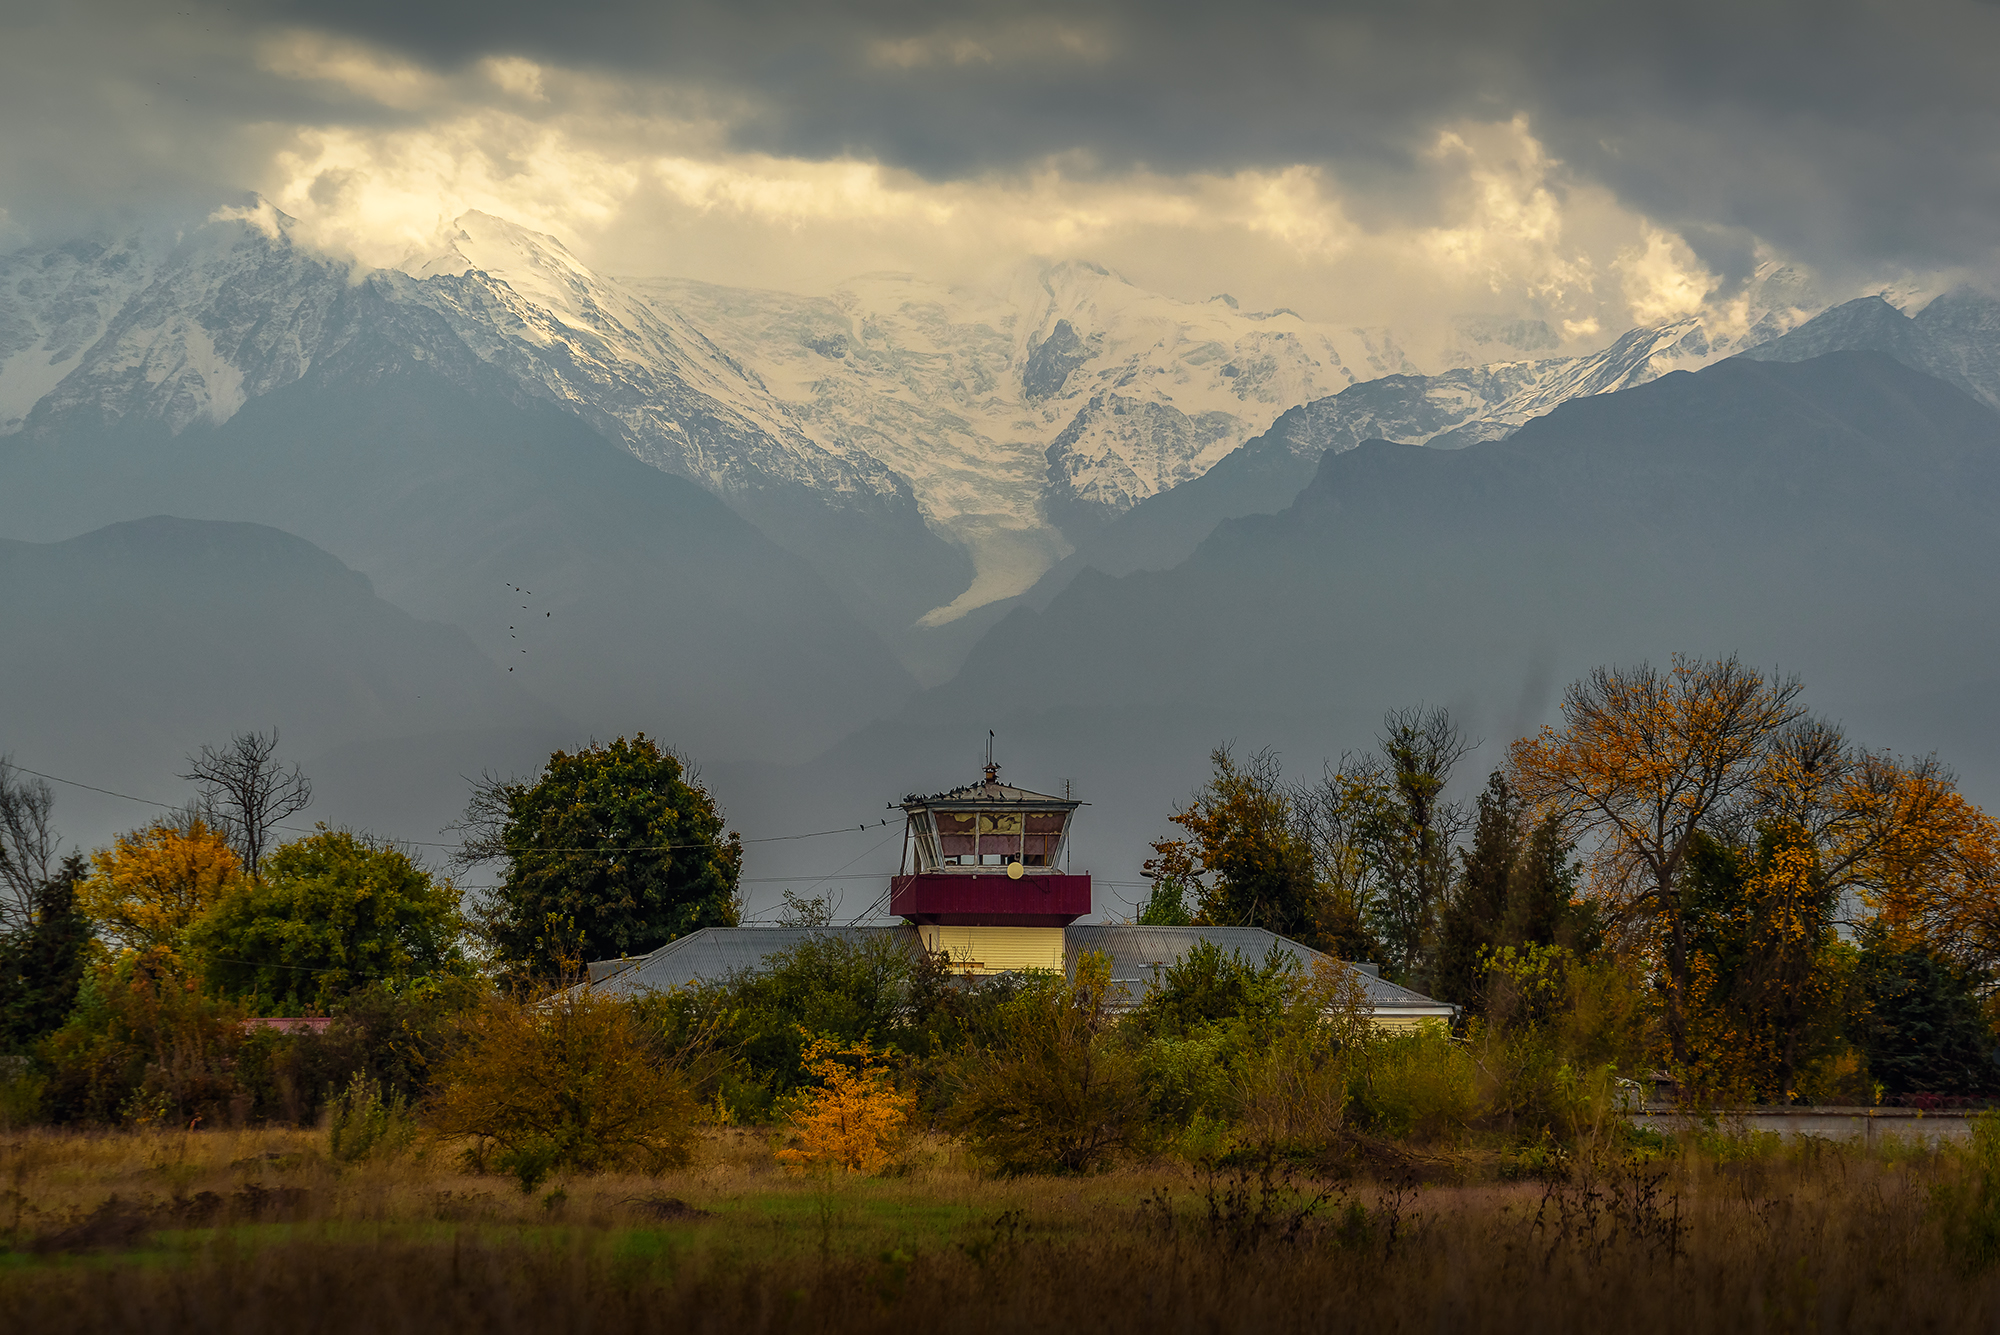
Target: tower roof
{"x":989,"y":793}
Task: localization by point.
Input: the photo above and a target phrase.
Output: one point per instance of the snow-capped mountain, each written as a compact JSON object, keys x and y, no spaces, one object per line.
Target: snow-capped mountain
{"x":1469,"y":404}
{"x":1027,"y":414}
{"x":54,"y":306}
{"x":1955,"y":337}
{"x":644,"y":376}
{"x":1453,"y":408}
{"x":933,"y":449}
{"x":192,"y":332}
{"x":139,"y":337}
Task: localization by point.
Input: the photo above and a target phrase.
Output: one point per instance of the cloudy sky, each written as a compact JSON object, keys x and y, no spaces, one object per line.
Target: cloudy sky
{"x":1593,"y":164}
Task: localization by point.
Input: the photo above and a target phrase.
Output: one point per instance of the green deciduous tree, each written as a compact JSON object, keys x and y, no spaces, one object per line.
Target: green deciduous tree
{"x":1384,"y":836}
{"x":1250,"y":864}
{"x":620,"y":841}
{"x":332,"y":912}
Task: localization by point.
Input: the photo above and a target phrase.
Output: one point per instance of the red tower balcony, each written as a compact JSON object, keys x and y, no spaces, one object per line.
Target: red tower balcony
{"x":961,"y":899}
{"x":989,"y":855}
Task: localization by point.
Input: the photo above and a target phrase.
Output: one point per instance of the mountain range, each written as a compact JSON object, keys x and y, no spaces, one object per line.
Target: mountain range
{"x":823,"y":542}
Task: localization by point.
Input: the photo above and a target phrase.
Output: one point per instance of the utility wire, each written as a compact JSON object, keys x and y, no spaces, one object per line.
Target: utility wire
{"x":432,"y":843}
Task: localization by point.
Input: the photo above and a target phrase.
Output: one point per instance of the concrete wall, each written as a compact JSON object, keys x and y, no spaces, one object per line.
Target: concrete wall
{"x":1869,"y":1125}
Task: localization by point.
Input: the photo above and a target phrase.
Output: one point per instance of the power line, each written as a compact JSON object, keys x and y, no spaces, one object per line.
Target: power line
{"x":432,"y":843}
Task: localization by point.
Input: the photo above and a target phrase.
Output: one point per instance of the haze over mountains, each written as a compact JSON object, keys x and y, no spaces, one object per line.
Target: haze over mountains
{"x":824,"y":542}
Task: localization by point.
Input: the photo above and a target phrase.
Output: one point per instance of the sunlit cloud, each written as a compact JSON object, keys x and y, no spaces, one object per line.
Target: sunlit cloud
{"x":1662,"y":279}
{"x":642,"y":181}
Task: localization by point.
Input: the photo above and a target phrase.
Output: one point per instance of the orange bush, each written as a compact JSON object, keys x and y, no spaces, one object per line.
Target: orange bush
{"x":855,"y":1117}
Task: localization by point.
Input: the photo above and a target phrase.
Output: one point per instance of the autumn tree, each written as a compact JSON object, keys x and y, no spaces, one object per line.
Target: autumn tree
{"x":152,"y":885}
{"x":853,"y":1115}
{"x":247,"y":793}
{"x":620,"y":840}
{"x":1909,"y":854}
{"x":567,"y":1080}
{"x":1767,"y":995}
{"x":1643,"y":762}
{"x":332,"y":912}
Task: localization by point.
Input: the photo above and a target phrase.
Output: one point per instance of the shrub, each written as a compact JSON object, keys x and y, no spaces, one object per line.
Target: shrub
{"x":144,"y":1045}
{"x":1052,"y":1090}
{"x":1292,"y":1088}
{"x":1419,"y":1085}
{"x":1205,"y":985}
{"x":20,"y":1093}
{"x":566,"y":1081}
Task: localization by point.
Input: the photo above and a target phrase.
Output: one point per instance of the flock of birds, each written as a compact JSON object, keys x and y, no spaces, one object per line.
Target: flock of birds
{"x":514,"y":632}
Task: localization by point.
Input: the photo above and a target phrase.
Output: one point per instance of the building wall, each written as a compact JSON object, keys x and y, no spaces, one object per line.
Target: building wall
{"x":981,"y":950}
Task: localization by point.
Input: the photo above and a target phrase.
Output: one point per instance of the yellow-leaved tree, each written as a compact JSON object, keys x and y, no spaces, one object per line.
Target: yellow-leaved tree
{"x":854,"y":1119}
{"x":151,"y":885}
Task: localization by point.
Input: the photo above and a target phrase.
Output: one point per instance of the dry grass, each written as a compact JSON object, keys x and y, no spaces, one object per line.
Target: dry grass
{"x":261,"y":1230}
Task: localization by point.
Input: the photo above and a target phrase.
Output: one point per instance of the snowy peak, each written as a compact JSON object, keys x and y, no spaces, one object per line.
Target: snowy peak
{"x":232,"y":311}
{"x":54,"y":305}
{"x":536,"y":265}
{"x":1955,"y":337}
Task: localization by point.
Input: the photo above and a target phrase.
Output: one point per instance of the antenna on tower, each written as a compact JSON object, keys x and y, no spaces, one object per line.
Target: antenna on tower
{"x":992,"y":770}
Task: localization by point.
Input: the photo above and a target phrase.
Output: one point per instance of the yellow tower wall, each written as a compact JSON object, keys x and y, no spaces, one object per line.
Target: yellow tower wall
{"x":980,"y":950}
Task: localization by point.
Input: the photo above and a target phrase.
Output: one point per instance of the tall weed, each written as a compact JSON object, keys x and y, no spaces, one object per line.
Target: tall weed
{"x":363,"y":1124}
{"x":1967,"y":1208}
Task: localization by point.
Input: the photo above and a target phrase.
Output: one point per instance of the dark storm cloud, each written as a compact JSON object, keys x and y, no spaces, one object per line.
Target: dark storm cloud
{"x":1838,"y":131}
{"x":1849,"y":135}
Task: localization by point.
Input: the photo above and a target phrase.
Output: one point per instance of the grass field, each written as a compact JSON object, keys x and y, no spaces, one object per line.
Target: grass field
{"x":262,"y":1230}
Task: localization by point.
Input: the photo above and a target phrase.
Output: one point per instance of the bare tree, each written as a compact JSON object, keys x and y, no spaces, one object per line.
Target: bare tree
{"x":482,"y":830}
{"x":29,"y":848}
{"x":248,"y":791}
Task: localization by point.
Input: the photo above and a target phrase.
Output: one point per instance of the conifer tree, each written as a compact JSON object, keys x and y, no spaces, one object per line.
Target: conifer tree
{"x":1475,"y":917}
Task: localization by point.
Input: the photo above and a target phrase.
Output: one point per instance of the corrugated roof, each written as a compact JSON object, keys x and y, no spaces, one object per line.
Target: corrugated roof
{"x":1135,"y":951}
{"x":714,"y":953}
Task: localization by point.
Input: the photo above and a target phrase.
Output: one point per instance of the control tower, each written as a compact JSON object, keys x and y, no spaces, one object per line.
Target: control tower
{"x":983,"y":877}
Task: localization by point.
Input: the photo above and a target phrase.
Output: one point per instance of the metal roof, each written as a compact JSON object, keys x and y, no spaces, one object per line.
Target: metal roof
{"x":714,"y":953}
{"x":1136,"y":951}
